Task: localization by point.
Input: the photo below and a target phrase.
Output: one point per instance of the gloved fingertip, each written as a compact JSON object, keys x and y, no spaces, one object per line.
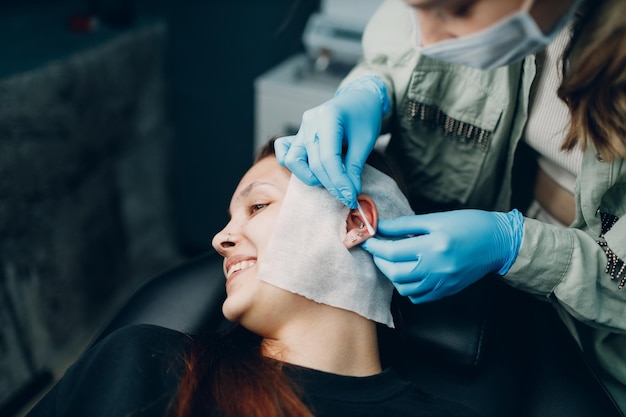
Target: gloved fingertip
{"x":383,"y":225}
{"x":370,"y":245}
{"x":347,"y":198}
{"x":423,"y":299}
{"x":415,"y":300}
{"x":311,"y":180}
{"x":282,"y":142}
{"x":280,"y":151}
{"x":355,"y":178}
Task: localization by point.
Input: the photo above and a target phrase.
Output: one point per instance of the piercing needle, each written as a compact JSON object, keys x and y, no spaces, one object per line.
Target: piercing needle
{"x":369,"y":227}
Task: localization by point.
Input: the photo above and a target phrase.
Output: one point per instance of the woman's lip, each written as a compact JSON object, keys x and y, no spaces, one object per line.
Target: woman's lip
{"x":235,"y":266}
{"x":240,"y":266}
{"x":231,"y":278}
{"x":233,"y":260}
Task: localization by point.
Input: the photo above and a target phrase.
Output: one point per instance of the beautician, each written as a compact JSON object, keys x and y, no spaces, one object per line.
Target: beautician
{"x":461,"y":85}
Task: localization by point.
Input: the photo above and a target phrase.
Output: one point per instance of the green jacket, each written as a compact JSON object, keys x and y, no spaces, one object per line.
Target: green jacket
{"x":454,"y":133}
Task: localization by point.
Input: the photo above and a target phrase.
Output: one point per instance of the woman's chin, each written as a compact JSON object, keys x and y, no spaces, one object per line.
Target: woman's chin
{"x":229,"y":311}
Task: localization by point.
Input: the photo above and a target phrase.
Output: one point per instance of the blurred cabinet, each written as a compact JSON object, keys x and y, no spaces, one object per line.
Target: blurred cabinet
{"x":332,"y":40}
{"x":285,"y":92}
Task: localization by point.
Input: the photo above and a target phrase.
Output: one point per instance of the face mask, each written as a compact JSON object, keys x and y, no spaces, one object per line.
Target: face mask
{"x":502,"y":44}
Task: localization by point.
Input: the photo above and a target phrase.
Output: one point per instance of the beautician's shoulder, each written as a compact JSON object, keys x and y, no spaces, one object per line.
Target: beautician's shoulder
{"x":133,"y":371}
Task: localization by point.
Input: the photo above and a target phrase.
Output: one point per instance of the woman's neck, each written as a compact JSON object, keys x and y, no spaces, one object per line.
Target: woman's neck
{"x":339,"y":342}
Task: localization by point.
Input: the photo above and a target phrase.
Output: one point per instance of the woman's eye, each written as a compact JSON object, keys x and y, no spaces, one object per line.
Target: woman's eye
{"x":460,"y":11}
{"x":256,"y":207}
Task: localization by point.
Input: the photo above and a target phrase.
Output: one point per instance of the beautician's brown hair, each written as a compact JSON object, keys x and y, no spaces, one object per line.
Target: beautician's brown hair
{"x":594,"y":79}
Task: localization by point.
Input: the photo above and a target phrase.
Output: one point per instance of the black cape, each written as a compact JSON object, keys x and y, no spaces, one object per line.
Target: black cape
{"x":134,"y":372}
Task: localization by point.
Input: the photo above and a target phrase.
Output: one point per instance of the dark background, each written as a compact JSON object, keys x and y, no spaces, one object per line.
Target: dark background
{"x":120,"y":146}
{"x":217,"y":49}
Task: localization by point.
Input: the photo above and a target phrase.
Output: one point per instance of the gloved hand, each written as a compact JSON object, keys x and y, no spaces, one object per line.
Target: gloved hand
{"x":352,"y":117}
{"x":440,"y":254}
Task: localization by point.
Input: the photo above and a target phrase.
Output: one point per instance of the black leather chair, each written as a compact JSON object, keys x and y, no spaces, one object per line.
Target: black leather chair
{"x":501,"y":352}
{"x":187,"y":298}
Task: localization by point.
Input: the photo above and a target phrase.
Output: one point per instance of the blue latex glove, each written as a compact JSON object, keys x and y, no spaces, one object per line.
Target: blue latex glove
{"x":352,"y":117}
{"x":432,"y":256}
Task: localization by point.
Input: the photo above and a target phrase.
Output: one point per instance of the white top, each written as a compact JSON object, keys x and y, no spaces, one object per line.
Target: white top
{"x":549,"y":119}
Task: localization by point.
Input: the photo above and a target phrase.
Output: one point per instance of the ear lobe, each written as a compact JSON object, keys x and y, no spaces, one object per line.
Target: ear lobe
{"x":356,"y":230}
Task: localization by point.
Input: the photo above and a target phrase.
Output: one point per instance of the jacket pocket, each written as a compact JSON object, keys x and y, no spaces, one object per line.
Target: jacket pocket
{"x":445,"y":126}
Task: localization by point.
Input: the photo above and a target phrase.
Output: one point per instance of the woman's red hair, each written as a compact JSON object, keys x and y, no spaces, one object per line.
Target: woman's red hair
{"x":227,"y":375}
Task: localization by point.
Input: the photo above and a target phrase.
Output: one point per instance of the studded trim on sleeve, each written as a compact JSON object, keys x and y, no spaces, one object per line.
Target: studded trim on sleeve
{"x":615,"y":267}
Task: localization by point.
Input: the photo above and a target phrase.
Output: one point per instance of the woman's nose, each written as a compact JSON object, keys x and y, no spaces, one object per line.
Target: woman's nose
{"x":223,"y":241}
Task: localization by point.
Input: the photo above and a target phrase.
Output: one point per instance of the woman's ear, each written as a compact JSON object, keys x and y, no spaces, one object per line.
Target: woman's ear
{"x":356,"y":229}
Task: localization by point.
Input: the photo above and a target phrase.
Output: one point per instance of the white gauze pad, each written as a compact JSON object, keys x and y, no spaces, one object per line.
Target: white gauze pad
{"x":306,"y":254}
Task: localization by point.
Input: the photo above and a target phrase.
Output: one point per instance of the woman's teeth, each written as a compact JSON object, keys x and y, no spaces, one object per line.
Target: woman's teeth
{"x":239,"y":266}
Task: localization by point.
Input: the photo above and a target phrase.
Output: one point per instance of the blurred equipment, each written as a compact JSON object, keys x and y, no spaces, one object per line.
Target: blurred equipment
{"x":332,"y":39}
{"x":334,"y":34}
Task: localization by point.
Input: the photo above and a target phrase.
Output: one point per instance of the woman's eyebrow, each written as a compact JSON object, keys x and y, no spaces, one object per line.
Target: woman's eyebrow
{"x":431,"y":4}
{"x":248,"y":189}
{"x":425,"y":4}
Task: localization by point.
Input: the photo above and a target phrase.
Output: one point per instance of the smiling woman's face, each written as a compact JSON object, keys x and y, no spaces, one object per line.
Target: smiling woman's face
{"x":254,"y":209}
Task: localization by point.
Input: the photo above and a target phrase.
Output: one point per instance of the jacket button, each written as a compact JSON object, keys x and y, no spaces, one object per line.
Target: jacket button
{"x":599,"y":157}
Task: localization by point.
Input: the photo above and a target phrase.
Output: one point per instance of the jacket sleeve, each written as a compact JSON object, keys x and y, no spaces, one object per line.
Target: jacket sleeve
{"x":570,"y":265}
